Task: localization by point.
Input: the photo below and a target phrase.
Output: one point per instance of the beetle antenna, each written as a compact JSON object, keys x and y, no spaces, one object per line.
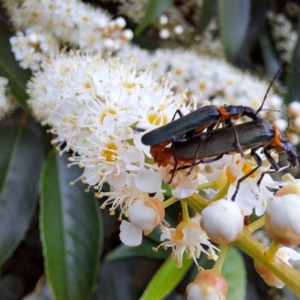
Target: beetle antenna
{"x":284,"y":113}
{"x":269,"y":87}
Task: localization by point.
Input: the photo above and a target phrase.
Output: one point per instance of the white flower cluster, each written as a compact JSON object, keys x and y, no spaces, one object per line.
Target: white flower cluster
{"x":31,"y":48}
{"x":50,"y":23}
{"x":206,"y":78}
{"x":92,"y":105}
{"x":98,"y":108}
{"x":7,"y":102}
{"x":284,"y":34}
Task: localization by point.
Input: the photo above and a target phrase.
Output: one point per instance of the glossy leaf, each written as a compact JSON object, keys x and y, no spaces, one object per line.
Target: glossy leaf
{"x":293,"y":78}
{"x":166,"y":279}
{"x":269,"y":54}
{"x":10,"y":68}
{"x":256,"y":23}
{"x":234,"y":16}
{"x":235,"y":273}
{"x":207,"y":12}
{"x":71,"y":231}
{"x":154,"y":9}
{"x":21,"y":160}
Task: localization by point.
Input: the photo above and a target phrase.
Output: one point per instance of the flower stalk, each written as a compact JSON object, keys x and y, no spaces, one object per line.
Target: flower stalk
{"x":280,"y":269}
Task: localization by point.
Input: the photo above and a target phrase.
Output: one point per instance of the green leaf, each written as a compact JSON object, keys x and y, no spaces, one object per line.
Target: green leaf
{"x":293,"y":78}
{"x":234,"y":16}
{"x":166,"y":279}
{"x":71,"y":231}
{"x":207,"y":11}
{"x":10,"y":68}
{"x":145,"y":249}
{"x":154,"y":9}
{"x":234,"y":272}
{"x":21,"y":161}
{"x":269,"y":53}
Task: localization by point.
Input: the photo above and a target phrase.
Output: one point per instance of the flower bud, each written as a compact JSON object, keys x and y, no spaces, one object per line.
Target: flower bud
{"x":289,"y":189}
{"x":223,"y":221}
{"x":282,"y":218}
{"x":284,"y":254}
{"x":208,"y":284}
{"x":144,"y":216}
{"x":269,"y":278}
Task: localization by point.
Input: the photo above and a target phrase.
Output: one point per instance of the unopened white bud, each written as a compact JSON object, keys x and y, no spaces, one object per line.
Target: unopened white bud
{"x":297,"y":122}
{"x":178,"y":29}
{"x":164,"y":34}
{"x":127,"y":35}
{"x":208,"y":285}
{"x":109,"y":43}
{"x":163,"y":20}
{"x":223,"y":221}
{"x":282,"y":219}
{"x":294,"y":108}
{"x":281,"y":124}
{"x":33,"y":38}
{"x":120,"y":22}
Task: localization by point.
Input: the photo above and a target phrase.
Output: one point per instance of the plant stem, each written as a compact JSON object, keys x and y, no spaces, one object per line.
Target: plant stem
{"x":257,"y":224}
{"x":197,"y":202}
{"x":279,"y":268}
{"x":185,"y":211}
{"x":222,"y":257}
{"x":169,"y":202}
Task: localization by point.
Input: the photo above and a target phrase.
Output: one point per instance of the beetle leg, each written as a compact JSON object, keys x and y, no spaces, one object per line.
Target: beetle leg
{"x":228,"y":123}
{"x":273,"y":163}
{"x":175,"y":166}
{"x":237,"y":143}
{"x":259,"y":163}
{"x":203,"y":161}
{"x":179,"y":112}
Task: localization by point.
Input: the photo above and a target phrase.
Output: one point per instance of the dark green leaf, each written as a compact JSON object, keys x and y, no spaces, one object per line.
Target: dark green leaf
{"x":21,"y":160}
{"x":293,"y":78}
{"x":10,"y":68}
{"x":257,"y":21}
{"x":269,"y":54}
{"x":145,"y":249}
{"x":234,"y":16}
{"x":207,"y":11}
{"x":235,"y":273}
{"x":154,"y":9}
{"x":166,"y":279}
{"x":71,"y":231}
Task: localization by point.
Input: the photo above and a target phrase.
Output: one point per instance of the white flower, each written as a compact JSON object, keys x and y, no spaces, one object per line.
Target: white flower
{"x":7,"y":102}
{"x":144,"y":215}
{"x":249,"y":195}
{"x":106,"y":156}
{"x":75,"y":92}
{"x":124,"y":192}
{"x":213,"y":78}
{"x":187,"y":237}
{"x":71,"y":22}
{"x":33,"y":47}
